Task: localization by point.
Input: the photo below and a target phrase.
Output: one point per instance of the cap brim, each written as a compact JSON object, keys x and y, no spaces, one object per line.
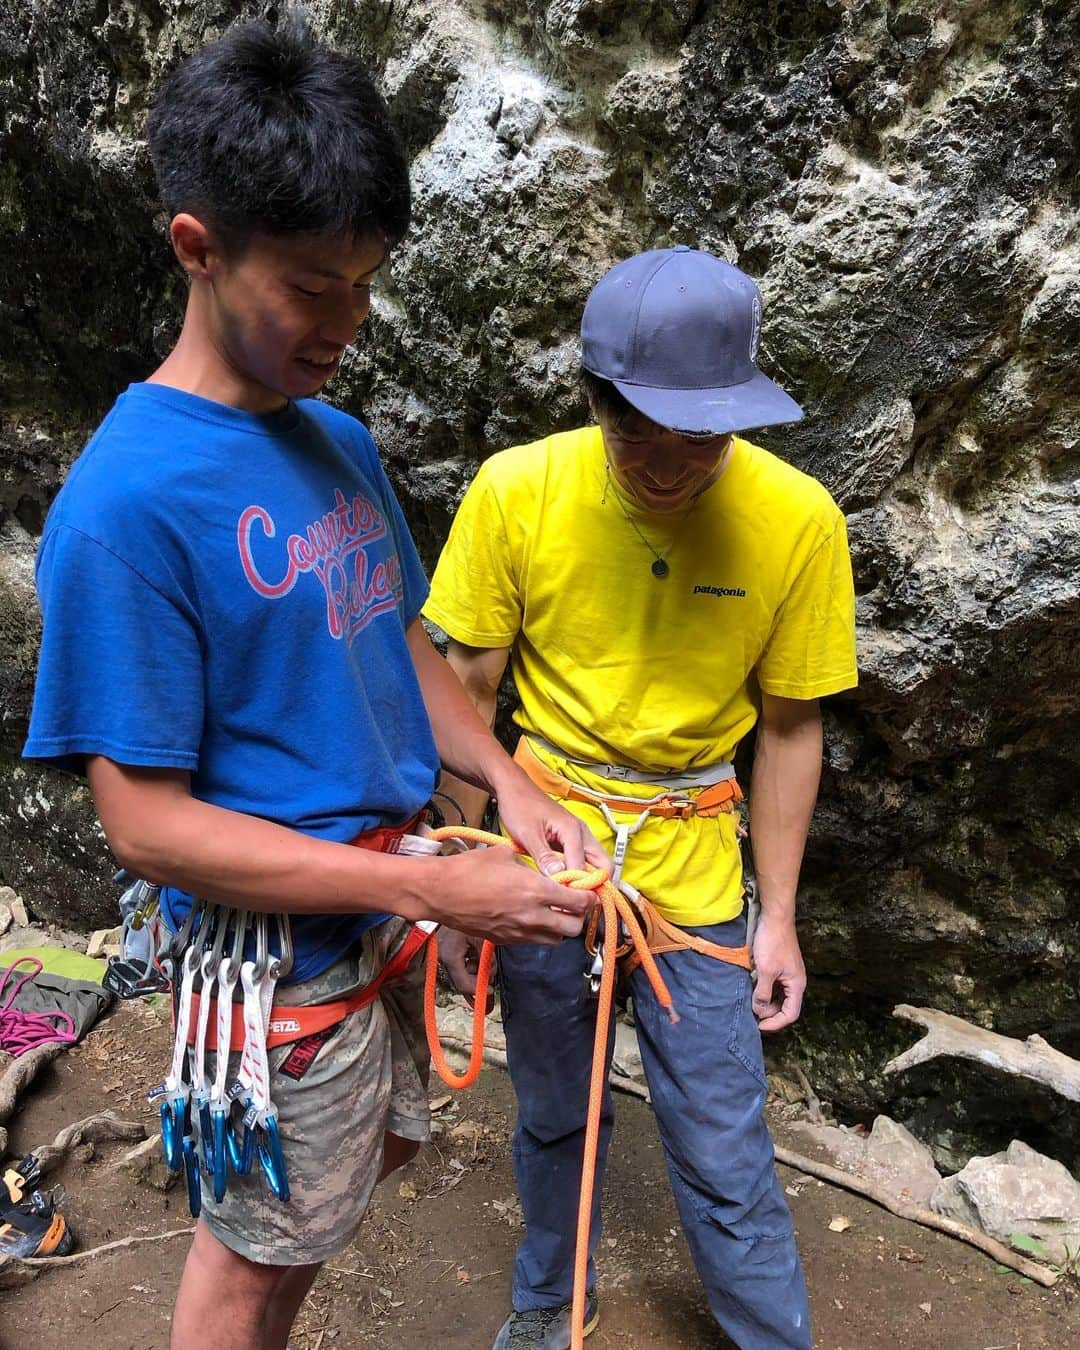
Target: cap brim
{"x":757,"y":402}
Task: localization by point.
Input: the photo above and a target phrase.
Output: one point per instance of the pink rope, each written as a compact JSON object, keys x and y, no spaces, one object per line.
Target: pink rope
{"x":22,"y":1031}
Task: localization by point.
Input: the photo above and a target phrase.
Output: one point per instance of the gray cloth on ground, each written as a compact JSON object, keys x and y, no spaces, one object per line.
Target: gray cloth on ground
{"x":82,"y":1000}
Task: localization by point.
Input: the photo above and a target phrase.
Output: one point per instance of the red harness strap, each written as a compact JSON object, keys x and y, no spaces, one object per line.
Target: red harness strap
{"x":289,"y":1023}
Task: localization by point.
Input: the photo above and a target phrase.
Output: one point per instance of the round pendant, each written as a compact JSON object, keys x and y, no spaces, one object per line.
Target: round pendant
{"x":660,"y":568}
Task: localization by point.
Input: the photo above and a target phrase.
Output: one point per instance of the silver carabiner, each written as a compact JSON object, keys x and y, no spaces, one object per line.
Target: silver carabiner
{"x":596,"y":971}
{"x":212,"y":961}
{"x":262,"y":947}
{"x":202,"y":937}
{"x":236,"y":954}
{"x":284,"y":962}
{"x":175,"y":943}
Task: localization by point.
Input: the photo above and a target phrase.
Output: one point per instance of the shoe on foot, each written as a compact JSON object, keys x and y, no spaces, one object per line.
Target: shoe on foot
{"x":544,"y":1328}
{"x":30,"y":1224}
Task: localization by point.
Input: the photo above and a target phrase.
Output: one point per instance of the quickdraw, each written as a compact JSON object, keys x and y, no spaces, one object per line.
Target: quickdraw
{"x":260,"y":1139}
{"x":197,"y":1132}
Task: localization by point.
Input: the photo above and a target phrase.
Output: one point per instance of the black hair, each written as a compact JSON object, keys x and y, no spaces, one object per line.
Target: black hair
{"x":266,"y":130}
{"x":605,"y":398}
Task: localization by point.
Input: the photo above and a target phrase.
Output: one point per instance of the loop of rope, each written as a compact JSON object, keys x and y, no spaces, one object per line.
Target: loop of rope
{"x":22,"y":1031}
{"x":615,"y":906}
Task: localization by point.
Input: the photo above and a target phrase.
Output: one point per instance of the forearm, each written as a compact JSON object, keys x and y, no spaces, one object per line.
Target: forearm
{"x":467,"y":749}
{"x":471,"y":799}
{"x":784,"y":786}
{"x":158,"y":831}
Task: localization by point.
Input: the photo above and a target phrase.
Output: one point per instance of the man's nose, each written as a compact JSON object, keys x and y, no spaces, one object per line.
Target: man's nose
{"x":340,"y":327}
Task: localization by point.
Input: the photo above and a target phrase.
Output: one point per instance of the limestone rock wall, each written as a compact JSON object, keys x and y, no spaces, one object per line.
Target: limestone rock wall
{"x":901,"y":175}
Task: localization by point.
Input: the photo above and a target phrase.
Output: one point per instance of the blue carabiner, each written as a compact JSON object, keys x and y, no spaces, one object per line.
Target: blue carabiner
{"x":220,"y":1116}
{"x":173,"y":1129}
{"x":194,"y":1181}
{"x":272,"y":1159}
{"x":242,"y":1150}
{"x":206,"y":1136}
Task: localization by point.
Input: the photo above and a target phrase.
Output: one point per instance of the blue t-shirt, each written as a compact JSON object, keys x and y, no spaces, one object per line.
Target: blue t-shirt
{"x":228,"y":593}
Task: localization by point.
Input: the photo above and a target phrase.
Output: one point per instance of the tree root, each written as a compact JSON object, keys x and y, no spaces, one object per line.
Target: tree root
{"x":813,"y":1104}
{"x":94,"y":1129}
{"x":906,"y":1209}
{"x":28,"y":1268}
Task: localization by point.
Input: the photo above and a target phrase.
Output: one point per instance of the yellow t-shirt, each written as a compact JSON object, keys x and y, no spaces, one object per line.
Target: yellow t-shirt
{"x":615,"y":665}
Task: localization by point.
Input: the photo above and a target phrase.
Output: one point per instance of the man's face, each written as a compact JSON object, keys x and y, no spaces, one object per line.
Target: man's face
{"x":283,"y":311}
{"x":660,"y":469}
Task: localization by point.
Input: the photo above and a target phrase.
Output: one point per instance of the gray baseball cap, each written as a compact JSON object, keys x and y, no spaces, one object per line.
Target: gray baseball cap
{"x":676,"y":331}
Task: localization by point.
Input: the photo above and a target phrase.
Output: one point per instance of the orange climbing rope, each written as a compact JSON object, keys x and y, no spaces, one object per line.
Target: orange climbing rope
{"x":615,"y":906}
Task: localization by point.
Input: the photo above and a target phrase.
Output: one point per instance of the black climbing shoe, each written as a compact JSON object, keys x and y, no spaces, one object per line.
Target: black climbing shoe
{"x":544,"y":1328}
{"x":30,"y":1222}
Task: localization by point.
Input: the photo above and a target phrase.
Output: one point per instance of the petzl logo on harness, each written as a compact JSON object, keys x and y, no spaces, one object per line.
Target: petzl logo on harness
{"x":282,"y":1026}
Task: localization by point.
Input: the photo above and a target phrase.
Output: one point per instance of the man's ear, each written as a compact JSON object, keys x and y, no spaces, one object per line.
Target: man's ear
{"x":193,"y":244}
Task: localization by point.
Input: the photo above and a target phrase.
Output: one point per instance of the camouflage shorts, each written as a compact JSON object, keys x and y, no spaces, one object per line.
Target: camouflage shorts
{"x":369,"y":1077}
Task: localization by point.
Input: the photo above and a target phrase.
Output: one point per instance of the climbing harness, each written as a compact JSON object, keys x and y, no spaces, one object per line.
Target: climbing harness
{"x":717,"y":791}
{"x":715,"y":787}
{"x":229,"y":1125}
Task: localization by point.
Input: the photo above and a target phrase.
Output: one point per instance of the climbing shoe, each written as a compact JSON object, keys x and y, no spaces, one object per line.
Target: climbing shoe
{"x":30,"y":1222}
{"x":544,"y":1328}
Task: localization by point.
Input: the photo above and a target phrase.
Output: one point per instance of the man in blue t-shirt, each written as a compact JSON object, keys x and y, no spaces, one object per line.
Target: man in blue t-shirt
{"x":233,"y":651}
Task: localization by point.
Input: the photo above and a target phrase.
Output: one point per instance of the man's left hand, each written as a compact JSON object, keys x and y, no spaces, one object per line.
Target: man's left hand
{"x":548,"y":833}
{"x":781,"y":974}
{"x":459,"y":955}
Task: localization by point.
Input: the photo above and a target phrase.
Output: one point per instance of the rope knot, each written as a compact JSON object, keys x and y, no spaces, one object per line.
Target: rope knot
{"x":582,"y":878}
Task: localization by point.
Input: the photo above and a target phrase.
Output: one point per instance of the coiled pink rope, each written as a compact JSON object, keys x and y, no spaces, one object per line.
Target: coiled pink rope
{"x":22,"y":1031}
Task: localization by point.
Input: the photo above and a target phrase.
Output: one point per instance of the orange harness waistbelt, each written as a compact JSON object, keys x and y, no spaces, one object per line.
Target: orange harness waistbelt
{"x":662,"y":936}
{"x":710,"y":801}
{"x":289,"y":1023}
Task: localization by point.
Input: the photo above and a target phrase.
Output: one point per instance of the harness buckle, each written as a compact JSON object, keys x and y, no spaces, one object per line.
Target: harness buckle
{"x":682,"y":808}
{"x":620,"y":772}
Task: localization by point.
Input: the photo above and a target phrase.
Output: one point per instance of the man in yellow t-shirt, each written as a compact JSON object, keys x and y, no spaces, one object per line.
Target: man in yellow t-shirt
{"x":660,"y":586}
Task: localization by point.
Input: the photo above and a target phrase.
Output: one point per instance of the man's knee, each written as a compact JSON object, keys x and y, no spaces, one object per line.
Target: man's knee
{"x":215,"y":1277}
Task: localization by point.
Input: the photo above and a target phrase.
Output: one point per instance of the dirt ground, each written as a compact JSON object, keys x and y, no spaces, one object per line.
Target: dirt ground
{"x":431,"y":1265}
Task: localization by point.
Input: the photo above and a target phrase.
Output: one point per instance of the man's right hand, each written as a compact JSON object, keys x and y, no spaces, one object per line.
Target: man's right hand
{"x":488,"y":893}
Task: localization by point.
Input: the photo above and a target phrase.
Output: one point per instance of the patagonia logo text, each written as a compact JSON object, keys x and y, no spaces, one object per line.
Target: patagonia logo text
{"x":721,"y":590}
